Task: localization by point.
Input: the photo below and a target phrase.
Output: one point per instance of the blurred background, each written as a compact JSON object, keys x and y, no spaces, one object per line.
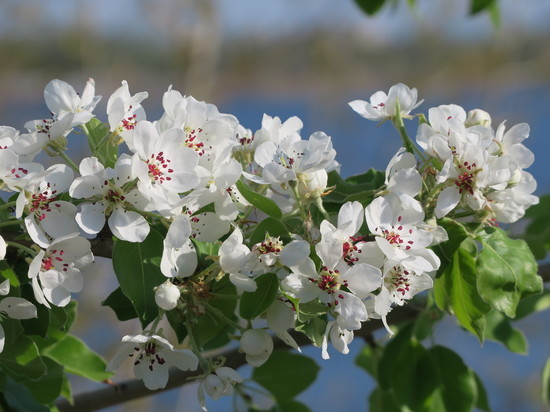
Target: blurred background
{"x":306,"y":58}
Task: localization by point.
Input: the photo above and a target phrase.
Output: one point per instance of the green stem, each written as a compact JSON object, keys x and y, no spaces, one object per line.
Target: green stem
{"x":218,"y":313}
{"x":196,"y":349}
{"x":7,"y":205}
{"x":400,"y":126}
{"x":10,"y":223}
{"x":69,"y":161}
{"x":155,"y":324}
{"x":30,"y":251}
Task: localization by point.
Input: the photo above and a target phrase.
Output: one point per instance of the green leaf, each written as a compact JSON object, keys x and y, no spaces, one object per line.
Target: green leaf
{"x":371,"y":7}
{"x":266,"y":205}
{"x":381,"y":401}
{"x":482,"y":401}
{"x":500,"y":329}
{"x":138,"y":275}
{"x":255,"y":303}
{"x":271,"y":226}
{"x":507,"y":271}
{"x":210,"y":324}
{"x":532,"y":304}
{"x":314,"y":329}
{"x":77,"y":358}
{"x":537,"y":232}
{"x":48,"y":388}
{"x":458,"y":384}
{"x":100,"y":144}
{"x":457,"y":284}
{"x":176,"y":318}
{"x":121,"y":305}
{"x":19,"y":398}
{"x":546,"y":382}
{"x":425,"y":321}
{"x":286,"y":374}
{"x":7,"y":272}
{"x":21,"y":359}
{"x":457,"y":234}
{"x":413,"y":377}
{"x":477,"y":6}
{"x":368,"y":359}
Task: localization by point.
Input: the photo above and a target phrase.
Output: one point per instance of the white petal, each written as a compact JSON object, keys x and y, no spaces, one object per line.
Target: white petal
{"x":5,"y":287}
{"x":294,"y":253}
{"x":243,"y":283}
{"x":128,"y":225}
{"x":2,"y":338}
{"x":91,"y":217}
{"x":18,"y":308}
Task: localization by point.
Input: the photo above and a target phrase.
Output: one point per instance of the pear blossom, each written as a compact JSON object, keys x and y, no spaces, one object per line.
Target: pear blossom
{"x":153,"y":356}
{"x":48,"y":217}
{"x":257,"y":346}
{"x":124,"y":111}
{"x":399,"y":285}
{"x":215,"y":187}
{"x":167,"y":295}
{"x":207,"y":226}
{"x":306,"y":283}
{"x":13,"y":307}
{"x":106,"y":194}
{"x":509,"y":143}
{"x":3,"y":248}
{"x":179,"y":258}
{"x":163,"y":166}
{"x":217,"y":384}
{"x":339,"y":337}
{"x":400,"y":234}
{"x":280,"y":317}
{"x":237,"y":260}
{"x":206,"y":131}
{"x":383,"y":106}
{"x":55,"y":273}
{"x":68,"y":111}
{"x":288,"y":160}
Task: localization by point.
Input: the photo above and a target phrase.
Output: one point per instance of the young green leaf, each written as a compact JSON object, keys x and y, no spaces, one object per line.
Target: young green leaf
{"x":501,"y":330}
{"x":458,"y":284}
{"x":77,"y":358}
{"x":286,"y":374}
{"x":458,"y":383}
{"x":507,"y":271}
{"x":266,"y":205}
{"x":255,"y":303}
{"x":121,"y":305}
{"x":100,"y":144}
{"x":138,"y":275}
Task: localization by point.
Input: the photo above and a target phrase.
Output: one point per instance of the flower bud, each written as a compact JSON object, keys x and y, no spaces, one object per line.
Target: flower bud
{"x":478,"y":117}
{"x":257,"y":345}
{"x":167,"y":296}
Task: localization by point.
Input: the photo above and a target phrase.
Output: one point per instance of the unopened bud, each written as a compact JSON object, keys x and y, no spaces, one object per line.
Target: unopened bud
{"x":167,"y":296}
{"x":478,"y":117}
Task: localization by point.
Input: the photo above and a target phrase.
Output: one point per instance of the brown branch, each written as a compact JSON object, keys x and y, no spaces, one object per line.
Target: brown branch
{"x":134,"y":389}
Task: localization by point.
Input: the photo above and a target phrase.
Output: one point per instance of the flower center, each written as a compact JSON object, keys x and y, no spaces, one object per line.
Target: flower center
{"x":53,"y":260}
{"x":192,"y":141}
{"x":395,"y":235}
{"x":158,"y":168}
{"x":349,"y":249}
{"x":269,"y":245}
{"x":151,"y":355}
{"x":329,"y":282}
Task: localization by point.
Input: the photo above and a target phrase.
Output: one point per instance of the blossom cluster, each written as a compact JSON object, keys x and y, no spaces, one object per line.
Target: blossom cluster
{"x":206,"y":179}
